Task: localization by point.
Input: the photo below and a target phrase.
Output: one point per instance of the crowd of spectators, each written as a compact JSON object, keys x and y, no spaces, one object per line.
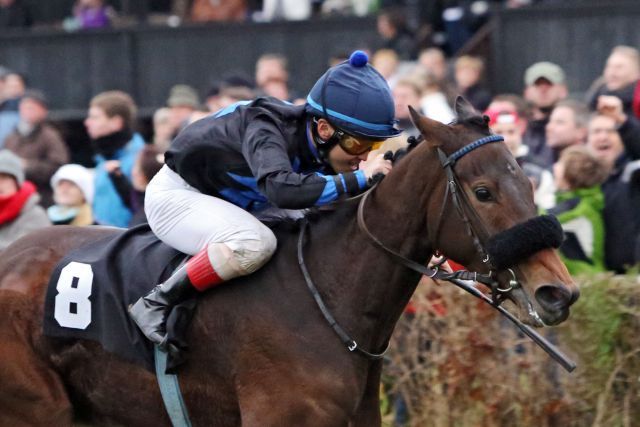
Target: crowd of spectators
{"x":581,"y":154}
{"x":405,"y":26}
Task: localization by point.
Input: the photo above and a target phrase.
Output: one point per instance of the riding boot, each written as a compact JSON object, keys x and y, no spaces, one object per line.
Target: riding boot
{"x":150,"y":312}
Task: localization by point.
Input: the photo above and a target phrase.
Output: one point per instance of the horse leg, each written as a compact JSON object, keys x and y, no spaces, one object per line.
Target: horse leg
{"x":368,"y":413}
{"x":31,"y":393}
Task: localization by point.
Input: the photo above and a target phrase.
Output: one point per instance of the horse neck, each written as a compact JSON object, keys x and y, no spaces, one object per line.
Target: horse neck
{"x":364,"y":287}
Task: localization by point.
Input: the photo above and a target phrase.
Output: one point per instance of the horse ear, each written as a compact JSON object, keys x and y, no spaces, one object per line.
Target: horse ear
{"x":464,"y":110}
{"x":427,"y":127}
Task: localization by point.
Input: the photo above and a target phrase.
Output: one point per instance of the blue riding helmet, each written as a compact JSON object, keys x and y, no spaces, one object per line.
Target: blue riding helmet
{"x":354,"y":97}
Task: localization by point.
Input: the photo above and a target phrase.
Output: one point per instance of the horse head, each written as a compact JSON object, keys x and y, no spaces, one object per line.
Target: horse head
{"x":487,"y":218}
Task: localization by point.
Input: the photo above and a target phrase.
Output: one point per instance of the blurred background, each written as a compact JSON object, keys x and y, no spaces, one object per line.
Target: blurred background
{"x":559,"y":79}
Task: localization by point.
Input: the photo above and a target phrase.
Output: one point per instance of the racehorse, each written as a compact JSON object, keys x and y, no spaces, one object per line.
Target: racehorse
{"x":261,"y":352}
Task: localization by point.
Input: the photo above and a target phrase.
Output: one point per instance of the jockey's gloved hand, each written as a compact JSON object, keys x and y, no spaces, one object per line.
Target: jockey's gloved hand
{"x":377,"y":165}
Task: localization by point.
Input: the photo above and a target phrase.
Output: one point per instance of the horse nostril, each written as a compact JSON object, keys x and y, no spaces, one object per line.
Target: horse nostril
{"x":554,"y":297}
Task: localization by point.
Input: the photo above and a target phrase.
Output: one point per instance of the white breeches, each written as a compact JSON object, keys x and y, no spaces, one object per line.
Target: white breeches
{"x":189,"y":221}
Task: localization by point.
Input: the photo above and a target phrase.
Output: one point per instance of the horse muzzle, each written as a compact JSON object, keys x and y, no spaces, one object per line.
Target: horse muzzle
{"x":555,"y":300}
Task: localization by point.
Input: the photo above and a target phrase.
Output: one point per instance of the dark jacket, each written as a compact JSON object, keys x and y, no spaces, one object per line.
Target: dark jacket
{"x":622,"y":204}
{"x":625,"y":94}
{"x":257,"y":154}
{"x":44,"y":151}
{"x":536,"y":139}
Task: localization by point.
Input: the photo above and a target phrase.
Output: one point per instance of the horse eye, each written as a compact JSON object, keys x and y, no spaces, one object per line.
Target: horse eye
{"x":483,"y":195}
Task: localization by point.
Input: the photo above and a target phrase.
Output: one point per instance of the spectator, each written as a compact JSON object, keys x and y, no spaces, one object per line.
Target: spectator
{"x":406,"y":93}
{"x":110,"y":124}
{"x":386,"y":61}
{"x":14,"y":14}
{"x":90,"y":14}
{"x":544,"y":88}
{"x":73,"y":195}
{"x":434,"y":101}
{"x":183,"y":101}
{"x":163,"y":129}
{"x":19,"y":210}
{"x":272,"y":76}
{"x":614,"y":137}
{"x":511,"y":127}
{"x":38,"y":144}
{"x":578,"y":176}
{"x":13,"y":87}
{"x":231,"y":89}
{"x":567,"y":126}
{"x":219,"y":10}
{"x":290,"y":10}
{"x":461,"y":19}
{"x":468,"y":74}
{"x":620,"y":78}
{"x":434,"y":61}
{"x":512,"y":103}
{"x":395,"y":34}
{"x":347,"y":7}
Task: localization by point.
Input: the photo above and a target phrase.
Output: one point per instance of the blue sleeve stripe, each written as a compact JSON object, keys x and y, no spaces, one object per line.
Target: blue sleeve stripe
{"x":362,"y":179}
{"x":330,"y":192}
{"x":344,"y":184}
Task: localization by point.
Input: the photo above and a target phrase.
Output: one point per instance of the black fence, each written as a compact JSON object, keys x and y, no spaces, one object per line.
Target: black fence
{"x":146,"y":61}
{"x":578,"y":36}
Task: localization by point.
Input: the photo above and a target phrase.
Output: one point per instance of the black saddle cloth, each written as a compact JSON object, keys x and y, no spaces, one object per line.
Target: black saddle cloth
{"x":91,"y":288}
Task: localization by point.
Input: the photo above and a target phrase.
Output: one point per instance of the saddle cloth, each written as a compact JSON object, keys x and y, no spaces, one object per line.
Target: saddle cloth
{"x":91,"y":288}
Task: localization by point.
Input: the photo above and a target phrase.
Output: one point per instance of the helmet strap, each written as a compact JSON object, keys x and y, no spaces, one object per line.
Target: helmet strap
{"x":323,"y":146}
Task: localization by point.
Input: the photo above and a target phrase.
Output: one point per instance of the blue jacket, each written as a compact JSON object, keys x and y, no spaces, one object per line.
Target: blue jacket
{"x":108,"y":208}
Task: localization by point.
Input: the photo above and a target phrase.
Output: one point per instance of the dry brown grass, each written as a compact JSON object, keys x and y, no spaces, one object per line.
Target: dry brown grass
{"x":470,"y":367}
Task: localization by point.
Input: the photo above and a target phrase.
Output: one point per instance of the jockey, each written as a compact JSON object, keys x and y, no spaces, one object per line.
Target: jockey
{"x":259,"y":159}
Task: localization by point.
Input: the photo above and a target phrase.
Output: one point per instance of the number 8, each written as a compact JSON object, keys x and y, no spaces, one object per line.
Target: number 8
{"x":72,"y":306}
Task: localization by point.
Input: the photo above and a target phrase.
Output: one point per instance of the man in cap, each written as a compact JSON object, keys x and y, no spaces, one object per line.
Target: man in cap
{"x":39,"y":145}
{"x":183,"y":101}
{"x":259,"y":158}
{"x":544,"y":87}
{"x":19,"y":210}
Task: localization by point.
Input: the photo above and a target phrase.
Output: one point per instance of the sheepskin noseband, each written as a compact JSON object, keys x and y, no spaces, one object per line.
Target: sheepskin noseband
{"x":519,"y":242}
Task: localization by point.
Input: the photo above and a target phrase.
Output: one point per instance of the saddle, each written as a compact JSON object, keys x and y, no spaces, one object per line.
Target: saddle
{"x":90,"y":290}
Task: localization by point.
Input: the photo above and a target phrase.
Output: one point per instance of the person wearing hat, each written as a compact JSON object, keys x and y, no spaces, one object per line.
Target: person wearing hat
{"x":544,"y":87}
{"x":37,"y":143}
{"x":73,"y":195}
{"x":261,"y":158}
{"x":19,"y":210}
{"x":183,"y":101}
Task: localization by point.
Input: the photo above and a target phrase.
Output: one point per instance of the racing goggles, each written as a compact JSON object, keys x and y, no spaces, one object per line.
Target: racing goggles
{"x":356,"y":146}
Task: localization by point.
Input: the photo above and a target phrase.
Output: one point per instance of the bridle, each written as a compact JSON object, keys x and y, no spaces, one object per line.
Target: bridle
{"x":464,"y":209}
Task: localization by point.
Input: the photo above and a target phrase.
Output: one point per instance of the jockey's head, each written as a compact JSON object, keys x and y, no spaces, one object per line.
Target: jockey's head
{"x":352,"y":110}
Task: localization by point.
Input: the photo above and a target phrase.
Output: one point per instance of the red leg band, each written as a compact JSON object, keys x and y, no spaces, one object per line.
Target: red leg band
{"x":201,"y":273}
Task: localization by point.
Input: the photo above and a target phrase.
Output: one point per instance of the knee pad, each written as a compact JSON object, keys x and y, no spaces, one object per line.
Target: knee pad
{"x":242,"y":256}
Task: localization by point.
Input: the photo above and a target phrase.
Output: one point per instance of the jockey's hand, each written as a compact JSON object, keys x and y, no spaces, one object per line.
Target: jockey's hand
{"x":375,"y":164}
{"x":611,"y":106}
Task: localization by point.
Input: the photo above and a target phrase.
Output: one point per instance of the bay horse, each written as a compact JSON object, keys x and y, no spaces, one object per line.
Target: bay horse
{"x":261,"y":353}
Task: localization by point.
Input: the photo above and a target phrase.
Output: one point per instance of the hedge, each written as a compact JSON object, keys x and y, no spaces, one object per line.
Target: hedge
{"x":456,"y":362}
